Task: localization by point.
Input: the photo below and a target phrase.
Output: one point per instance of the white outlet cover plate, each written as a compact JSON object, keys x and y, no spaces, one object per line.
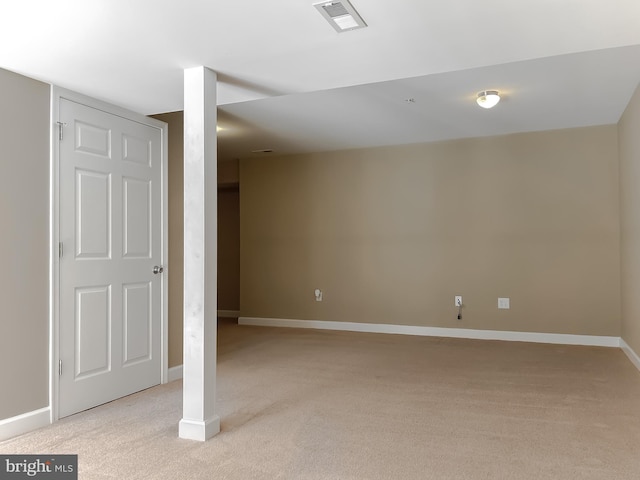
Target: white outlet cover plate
{"x":503,"y":303}
{"x":457,"y":301}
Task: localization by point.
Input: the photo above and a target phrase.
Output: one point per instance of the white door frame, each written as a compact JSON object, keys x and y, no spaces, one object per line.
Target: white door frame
{"x":57,"y":94}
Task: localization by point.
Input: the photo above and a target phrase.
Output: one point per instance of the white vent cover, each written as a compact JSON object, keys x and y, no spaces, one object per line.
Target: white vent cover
{"x":341,"y":15}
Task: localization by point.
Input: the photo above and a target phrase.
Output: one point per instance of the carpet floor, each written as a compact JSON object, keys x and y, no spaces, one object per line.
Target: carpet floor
{"x":307,"y":405}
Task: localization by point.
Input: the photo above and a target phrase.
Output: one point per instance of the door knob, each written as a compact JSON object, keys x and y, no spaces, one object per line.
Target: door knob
{"x":158,"y":269}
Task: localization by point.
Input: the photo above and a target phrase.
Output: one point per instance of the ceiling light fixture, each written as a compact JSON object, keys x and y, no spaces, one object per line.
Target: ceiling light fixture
{"x":488,"y":98}
{"x":341,"y":15}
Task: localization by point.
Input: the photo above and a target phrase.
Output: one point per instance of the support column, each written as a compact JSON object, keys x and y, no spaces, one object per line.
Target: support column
{"x":199,"y":420}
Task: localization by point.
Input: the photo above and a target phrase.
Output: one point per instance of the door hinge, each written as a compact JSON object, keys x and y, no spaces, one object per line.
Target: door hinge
{"x":61,"y":126}
{"x":60,"y":368}
{"x":60,"y":250}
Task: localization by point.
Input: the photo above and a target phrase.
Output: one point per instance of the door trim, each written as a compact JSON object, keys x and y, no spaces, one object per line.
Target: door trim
{"x":57,"y":94}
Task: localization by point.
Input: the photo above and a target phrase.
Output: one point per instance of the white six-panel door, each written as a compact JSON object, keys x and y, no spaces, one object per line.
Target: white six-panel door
{"x":110,"y":225}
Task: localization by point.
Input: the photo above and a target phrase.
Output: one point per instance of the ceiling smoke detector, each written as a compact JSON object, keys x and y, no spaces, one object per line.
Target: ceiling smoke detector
{"x":341,"y":15}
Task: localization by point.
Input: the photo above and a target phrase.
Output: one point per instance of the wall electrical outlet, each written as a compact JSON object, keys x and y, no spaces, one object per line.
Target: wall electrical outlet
{"x":458,"y":300}
{"x":318,"y":294}
{"x":503,"y":303}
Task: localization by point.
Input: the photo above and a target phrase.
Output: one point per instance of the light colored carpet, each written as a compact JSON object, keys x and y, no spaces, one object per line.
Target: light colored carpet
{"x":301,"y":404}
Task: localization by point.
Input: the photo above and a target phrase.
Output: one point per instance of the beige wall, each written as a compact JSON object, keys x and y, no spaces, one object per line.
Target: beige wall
{"x":24,"y":244}
{"x":228,"y":173}
{"x":175,"y":199}
{"x":629,"y":144}
{"x":228,"y":236}
{"x":392,"y":234}
{"x":228,"y":249}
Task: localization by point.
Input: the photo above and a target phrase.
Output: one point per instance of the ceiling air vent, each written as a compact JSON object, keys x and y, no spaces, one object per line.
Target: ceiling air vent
{"x":341,"y":15}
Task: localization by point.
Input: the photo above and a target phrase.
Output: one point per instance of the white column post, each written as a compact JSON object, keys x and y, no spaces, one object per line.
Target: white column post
{"x":199,"y":420}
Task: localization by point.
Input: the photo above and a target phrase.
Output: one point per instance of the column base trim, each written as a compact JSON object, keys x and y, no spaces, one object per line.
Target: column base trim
{"x":199,"y":430}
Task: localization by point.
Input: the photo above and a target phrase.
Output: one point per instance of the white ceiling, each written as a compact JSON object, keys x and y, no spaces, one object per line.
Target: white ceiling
{"x":289,"y":82}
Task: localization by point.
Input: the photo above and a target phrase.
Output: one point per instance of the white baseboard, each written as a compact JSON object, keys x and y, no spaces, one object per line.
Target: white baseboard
{"x":229,"y":313}
{"x":27,"y":422}
{"x":633,"y":356}
{"x":175,"y":373}
{"x":558,"y":338}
